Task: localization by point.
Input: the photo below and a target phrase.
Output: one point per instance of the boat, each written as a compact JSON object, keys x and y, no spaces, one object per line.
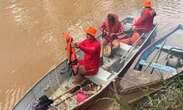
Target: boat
{"x":165,"y":54}
{"x":54,"y":83}
{"x":157,"y":64}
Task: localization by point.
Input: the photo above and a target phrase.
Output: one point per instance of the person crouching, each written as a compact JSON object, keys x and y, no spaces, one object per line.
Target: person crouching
{"x":111,"y":28}
{"x":89,"y":64}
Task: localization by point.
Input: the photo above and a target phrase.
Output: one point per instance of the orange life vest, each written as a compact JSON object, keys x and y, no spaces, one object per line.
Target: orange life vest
{"x":71,"y":54}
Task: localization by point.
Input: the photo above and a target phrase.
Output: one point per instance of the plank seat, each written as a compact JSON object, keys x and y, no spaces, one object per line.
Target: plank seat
{"x":101,"y":77}
{"x":160,"y":67}
{"x":168,"y":48}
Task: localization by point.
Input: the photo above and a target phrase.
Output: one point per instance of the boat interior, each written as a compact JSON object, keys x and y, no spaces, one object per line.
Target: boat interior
{"x":97,"y":82}
{"x":165,"y":58}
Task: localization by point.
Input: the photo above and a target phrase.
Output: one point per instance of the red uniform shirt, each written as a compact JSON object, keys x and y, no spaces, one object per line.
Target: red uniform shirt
{"x":145,"y":22}
{"x":91,"y":60}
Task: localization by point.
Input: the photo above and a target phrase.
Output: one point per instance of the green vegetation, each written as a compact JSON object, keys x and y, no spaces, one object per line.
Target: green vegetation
{"x":170,"y":97}
{"x":115,"y":103}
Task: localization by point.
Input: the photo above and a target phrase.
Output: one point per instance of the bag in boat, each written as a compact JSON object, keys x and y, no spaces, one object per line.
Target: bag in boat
{"x":42,"y":104}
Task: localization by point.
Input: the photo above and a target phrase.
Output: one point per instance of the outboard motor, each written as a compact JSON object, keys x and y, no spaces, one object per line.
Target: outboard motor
{"x":174,"y":61}
{"x":175,"y":58}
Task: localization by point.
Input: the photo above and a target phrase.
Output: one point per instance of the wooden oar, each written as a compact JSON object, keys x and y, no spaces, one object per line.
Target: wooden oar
{"x":74,"y":89}
{"x":64,"y":100}
{"x":46,"y":104}
{"x":87,"y":93}
{"x":68,"y":91}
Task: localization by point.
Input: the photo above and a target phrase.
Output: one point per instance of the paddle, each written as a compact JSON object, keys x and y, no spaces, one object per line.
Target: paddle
{"x":68,"y":91}
{"x":72,"y":91}
{"x":64,"y":100}
{"x":45,"y":102}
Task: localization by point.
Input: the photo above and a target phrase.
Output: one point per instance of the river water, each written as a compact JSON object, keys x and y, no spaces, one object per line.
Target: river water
{"x":31,"y":40}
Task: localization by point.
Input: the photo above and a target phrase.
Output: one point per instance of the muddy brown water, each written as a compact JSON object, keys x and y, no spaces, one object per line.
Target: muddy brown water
{"x":31,"y":40}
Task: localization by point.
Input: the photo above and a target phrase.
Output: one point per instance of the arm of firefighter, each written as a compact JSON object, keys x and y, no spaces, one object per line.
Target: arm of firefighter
{"x":102,"y":27}
{"x":120,"y":31}
{"x":76,"y":44}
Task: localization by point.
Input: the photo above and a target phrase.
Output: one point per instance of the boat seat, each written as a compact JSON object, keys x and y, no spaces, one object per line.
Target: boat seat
{"x":101,"y":77}
{"x":160,"y":67}
{"x":124,"y":48}
{"x":170,"y":48}
{"x":122,"y":51}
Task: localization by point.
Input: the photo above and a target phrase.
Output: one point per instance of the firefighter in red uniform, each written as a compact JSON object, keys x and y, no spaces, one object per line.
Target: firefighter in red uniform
{"x":111,"y":28}
{"x":145,"y":22}
{"x":89,"y":65}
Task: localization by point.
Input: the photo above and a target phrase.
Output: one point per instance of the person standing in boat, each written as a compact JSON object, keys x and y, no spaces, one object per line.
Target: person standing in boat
{"x":91,"y":47}
{"x":145,"y":22}
{"x":111,"y":28}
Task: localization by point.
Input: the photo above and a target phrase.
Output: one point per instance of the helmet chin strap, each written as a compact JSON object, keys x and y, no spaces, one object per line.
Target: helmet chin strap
{"x":88,"y":36}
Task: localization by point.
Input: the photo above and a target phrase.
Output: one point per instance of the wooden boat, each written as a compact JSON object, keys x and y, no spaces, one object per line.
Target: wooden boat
{"x":55,"y":81}
{"x":161,"y":61}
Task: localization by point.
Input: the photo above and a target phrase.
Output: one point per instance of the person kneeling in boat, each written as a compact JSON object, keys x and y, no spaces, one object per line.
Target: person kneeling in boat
{"x":145,"y":22}
{"x":89,"y":65}
{"x":111,"y":28}
{"x":130,"y":36}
